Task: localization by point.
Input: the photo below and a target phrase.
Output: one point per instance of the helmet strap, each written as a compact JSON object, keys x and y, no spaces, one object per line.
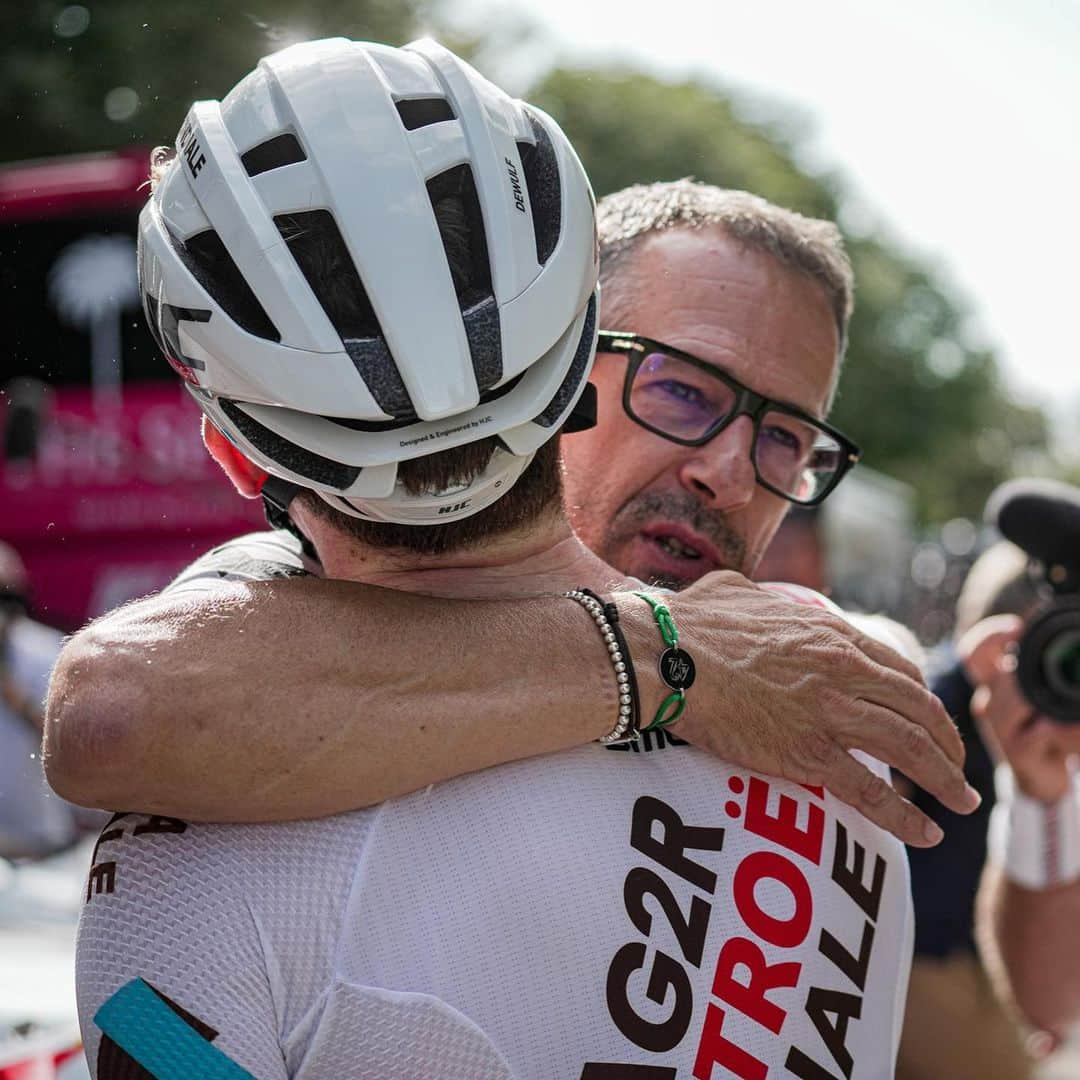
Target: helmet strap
{"x":583,"y":414}
{"x":277,"y":496}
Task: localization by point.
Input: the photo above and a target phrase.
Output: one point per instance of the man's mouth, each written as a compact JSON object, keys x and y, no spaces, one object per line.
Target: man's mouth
{"x":669,"y":537}
{"x":674,"y":546}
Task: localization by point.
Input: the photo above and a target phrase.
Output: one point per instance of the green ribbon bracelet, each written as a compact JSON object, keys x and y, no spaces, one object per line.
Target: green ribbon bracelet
{"x":676,"y":666}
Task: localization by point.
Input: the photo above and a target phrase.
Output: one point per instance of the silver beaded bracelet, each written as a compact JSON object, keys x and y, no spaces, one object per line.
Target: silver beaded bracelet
{"x":606,"y":618}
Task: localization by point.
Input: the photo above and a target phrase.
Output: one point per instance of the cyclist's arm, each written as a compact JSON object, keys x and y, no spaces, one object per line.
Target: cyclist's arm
{"x":299,"y":698}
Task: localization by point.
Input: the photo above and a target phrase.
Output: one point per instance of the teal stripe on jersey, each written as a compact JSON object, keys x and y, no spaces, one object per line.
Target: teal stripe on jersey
{"x":146,"y":1029}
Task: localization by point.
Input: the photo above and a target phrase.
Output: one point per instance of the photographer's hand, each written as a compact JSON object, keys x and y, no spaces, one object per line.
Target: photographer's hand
{"x":1026,"y":936}
{"x":1036,"y":748}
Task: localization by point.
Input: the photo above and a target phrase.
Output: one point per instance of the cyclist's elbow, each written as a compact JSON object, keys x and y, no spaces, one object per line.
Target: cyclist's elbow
{"x":93,"y":726}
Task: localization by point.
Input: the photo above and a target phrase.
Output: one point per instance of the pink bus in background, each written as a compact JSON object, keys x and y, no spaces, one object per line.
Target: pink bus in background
{"x":105,"y":489}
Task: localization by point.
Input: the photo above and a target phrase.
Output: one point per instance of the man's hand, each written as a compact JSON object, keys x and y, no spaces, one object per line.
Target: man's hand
{"x":793,"y":689}
{"x":1035,"y":747}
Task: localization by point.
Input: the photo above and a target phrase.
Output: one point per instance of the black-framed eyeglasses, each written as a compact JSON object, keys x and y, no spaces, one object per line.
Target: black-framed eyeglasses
{"x":682,"y":398}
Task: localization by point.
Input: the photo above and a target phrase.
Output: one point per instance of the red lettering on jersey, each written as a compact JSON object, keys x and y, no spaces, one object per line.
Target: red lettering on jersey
{"x":770,"y":865}
{"x":714,"y":1049}
{"x":749,"y":997}
{"x":782,"y":828}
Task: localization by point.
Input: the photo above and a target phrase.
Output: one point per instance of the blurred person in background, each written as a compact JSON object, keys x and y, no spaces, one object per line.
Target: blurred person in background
{"x":797,"y":552}
{"x":955,"y":1025}
{"x":1026,"y":672}
{"x":33,"y":821}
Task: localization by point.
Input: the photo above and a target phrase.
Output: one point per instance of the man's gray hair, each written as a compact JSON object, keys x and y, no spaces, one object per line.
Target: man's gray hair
{"x":812,"y":246}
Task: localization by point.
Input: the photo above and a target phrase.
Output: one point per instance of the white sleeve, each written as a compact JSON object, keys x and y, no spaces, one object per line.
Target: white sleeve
{"x":261,"y":556}
{"x":1037,"y":843}
{"x":171,"y":976}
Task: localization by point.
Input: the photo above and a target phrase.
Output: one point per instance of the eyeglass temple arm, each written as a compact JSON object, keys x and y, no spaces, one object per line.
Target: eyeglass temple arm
{"x":615,"y":341}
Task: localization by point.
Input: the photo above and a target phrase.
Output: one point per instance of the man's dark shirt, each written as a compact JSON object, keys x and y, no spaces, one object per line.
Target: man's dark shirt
{"x":944,"y":879}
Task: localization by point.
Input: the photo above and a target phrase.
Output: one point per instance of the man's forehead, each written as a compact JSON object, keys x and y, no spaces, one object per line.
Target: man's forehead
{"x":664,"y":261}
{"x":732,"y":305}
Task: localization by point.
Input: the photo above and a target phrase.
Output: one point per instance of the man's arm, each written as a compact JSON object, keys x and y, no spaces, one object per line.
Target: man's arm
{"x":300,"y":698}
{"x":1027,"y":935}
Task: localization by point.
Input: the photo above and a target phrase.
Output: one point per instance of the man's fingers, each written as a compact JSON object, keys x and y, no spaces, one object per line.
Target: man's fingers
{"x":874,"y":672}
{"x":896,"y":741}
{"x":852,"y":782}
{"x":881,"y":653}
{"x":877,"y":673}
{"x":916,"y":704}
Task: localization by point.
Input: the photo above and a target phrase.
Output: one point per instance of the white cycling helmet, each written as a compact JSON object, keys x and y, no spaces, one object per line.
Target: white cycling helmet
{"x":360,"y":141}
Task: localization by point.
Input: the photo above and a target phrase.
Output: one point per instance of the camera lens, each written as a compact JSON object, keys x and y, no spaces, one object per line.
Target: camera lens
{"x":1048,"y":664}
{"x":1061,"y":663}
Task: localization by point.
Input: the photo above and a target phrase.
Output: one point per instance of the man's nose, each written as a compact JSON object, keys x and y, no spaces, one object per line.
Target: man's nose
{"x":720,"y":473}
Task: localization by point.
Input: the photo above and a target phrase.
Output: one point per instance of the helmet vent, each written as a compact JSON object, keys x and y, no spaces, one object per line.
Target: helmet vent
{"x":461,"y":225}
{"x":287,"y":454}
{"x":394,"y":425}
{"x":420,"y":112}
{"x":273,"y":154}
{"x":210,"y":263}
{"x":545,"y":194}
{"x":483,"y":329}
{"x":456,"y":206}
{"x":576,"y":373}
{"x":319,"y":249}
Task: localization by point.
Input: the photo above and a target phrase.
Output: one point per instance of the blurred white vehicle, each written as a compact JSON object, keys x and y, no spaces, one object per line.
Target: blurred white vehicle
{"x":39,"y":909}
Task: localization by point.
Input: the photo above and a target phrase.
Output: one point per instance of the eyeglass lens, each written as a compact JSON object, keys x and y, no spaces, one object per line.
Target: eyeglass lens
{"x":684,"y":401}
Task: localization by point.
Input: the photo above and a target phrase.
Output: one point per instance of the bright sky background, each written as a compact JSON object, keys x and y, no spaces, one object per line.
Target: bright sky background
{"x":955,"y":123}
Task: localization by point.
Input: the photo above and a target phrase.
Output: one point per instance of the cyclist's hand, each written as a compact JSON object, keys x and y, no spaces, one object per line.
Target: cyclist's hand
{"x":788,"y":690}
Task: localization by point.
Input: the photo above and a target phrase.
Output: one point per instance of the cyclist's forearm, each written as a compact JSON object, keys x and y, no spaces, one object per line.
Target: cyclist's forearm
{"x":300,"y":698}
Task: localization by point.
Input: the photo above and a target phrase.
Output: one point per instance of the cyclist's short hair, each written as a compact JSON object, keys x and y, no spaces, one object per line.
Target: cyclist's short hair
{"x":810,"y":245}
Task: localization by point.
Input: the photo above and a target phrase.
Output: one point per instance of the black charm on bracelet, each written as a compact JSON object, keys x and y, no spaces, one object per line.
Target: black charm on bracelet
{"x":676,"y":666}
{"x":677,"y":669}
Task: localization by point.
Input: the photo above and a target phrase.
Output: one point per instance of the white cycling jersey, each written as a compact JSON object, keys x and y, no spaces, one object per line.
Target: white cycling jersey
{"x":603,"y":913}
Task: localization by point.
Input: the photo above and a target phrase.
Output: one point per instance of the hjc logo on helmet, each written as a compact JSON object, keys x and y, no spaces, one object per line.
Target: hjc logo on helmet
{"x":519,"y":197}
{"x":455,"y":508}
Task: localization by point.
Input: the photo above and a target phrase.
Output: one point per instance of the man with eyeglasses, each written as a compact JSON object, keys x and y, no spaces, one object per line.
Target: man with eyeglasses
{"x":728,"y":319}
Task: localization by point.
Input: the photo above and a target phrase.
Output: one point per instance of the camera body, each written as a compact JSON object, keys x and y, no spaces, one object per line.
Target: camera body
{"x":1042,"y":518}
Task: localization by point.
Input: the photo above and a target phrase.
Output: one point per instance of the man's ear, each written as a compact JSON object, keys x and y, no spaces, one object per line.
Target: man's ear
{"x":246,"y":476}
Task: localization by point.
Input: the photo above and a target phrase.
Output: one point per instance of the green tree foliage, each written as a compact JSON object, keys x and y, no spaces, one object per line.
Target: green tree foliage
{"x":924,"y":405}
{"x":55,"y":82}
